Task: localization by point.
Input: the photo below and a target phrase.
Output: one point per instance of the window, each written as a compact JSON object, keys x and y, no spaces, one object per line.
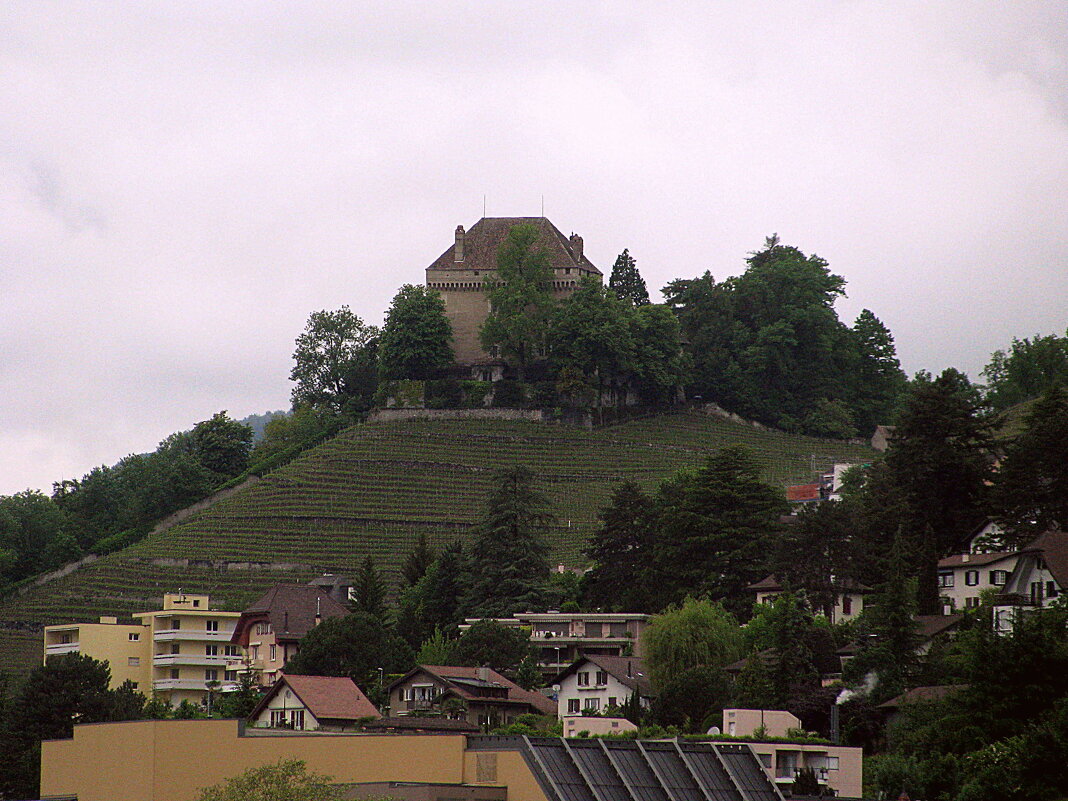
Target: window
{"x":847,"y":605}
{"x":66,"y":638}
{"x":211,"y":649}
{"x":278,"y":718}
{"x":971,"y":577}
{"x":999,"y":577}
{"x":584,"y":679}
{"x":134,"y":684}
{"x":230,"y":675}
{"x":592,"y":704}
{"x":1051,"y":589}
{"x":297,"y":718}
{"x":832,"y":763}
{"x":971,"y":602}
{"x":176,"y":624}
{"x":612,"y":700}
{"x":274,"y":653}
{"x":196,"y":602}
{"x":1036,"y":592}
{"x":174,"y":673}
{"x":602,"y":677}
{"x":231,"y":650}
{"x":255,"y":652}
{"x":945,"y":579}
{"x":263,"y":628}
{"x":211,"y":675}
{"x":212,"y":625}
{"x":134,"y":636}
{"x":176,"y":648}
{"x":572,"y":706}
{"x":133,"y":661}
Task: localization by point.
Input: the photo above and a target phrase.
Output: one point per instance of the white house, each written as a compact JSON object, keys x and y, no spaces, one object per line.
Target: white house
{"x":310,"y":703}
{"x":1040,"y":576}
{"x":594,"y":683}
{"x":963,"y":576}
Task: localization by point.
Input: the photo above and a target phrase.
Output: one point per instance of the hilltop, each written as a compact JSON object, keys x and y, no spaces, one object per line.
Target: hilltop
{"x":373,"y":489}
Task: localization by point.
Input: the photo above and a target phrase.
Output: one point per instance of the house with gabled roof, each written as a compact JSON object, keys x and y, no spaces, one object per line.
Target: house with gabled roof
{"x":594,"y":683}
{"x":476,"y":694}
{"x":848,"y":596}
{"x":270,"y":630}
{"x":1037,"y":580}
{"x":313,"y":703}
{"x":463,"y":275}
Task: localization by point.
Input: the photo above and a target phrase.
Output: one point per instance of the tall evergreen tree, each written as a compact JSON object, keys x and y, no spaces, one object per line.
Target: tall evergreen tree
{"x":418,"y":561}
{"x":938,"y":464}
{"x":1031,"y":488}
{"x":715,"y":529}
{"x":621,"y":550}
{"x":880,"y":381}
{"x":509,"y":563}
{"x":627,"y":282}
{"x":445,"y":588}
{"x":369,"y":591}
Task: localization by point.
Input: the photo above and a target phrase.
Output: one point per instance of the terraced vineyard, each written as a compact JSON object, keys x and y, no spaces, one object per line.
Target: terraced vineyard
{"x":373,"y":489}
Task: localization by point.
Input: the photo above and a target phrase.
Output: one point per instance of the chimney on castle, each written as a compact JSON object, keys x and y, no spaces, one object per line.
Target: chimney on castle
{"x":576,"y":247}
{"x":458,"y":251}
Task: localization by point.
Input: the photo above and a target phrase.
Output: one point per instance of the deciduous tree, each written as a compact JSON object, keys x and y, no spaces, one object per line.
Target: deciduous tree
{"x":287,"y":780}
{"x":416,"y":338}
{"x":335,"y":361}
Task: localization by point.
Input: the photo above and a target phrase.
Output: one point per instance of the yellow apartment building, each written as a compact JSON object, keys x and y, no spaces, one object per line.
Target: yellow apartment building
{"x":181,"y":652}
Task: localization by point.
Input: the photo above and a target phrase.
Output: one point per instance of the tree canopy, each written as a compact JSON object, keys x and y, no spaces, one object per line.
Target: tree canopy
{"x":335,"y":361}
{"x":355,"y":645}
{"x":626,"y":282}
{"x":416,"y":339}
{"x":286,"y":780}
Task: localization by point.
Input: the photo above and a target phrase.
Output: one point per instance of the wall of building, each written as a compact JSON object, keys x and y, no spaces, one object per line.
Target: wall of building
{"x":745,"y":722}
{"x":128,"y":659}
{"x":846,"y":780}
{"x":503,"y":768}
{"x":571,"y":690}
{"x":171,"y":760}
{"x":574,"y":725}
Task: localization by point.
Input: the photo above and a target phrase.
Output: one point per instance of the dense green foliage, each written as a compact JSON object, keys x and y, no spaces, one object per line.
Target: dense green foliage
{"x":357,"y":646}
{"x":416,"y":337}
{"x":769,"y":346}
{"x":335,"y":362}
{"x":698,"y":633}
{"x":287,"y":780}
{"x":1029,"y":368}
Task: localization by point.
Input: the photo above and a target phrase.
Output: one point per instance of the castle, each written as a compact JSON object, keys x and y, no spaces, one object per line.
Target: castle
{"x":460,"y":276}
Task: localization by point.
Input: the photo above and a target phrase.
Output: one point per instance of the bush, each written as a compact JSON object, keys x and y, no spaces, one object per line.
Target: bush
{"x":509,"y":395}
{"x":444,"y":393}
{"x":474,"y":394}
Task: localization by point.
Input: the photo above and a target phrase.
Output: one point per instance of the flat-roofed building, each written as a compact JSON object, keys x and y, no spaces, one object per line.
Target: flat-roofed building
{"x":126,"y":647}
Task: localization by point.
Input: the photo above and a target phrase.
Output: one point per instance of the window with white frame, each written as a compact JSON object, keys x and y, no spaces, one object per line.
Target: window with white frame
{"x":945,"y":579}
{"x":971,"y":578}
{"x":592,"y":704}
{"x":211,"y":649}
{"x":211,"y":675}
{"x":572,"y":706}
{"x":999,"y":578}
{"x":584,"y":679}
{"x":278,"y":717}
{"x":212,"y":625}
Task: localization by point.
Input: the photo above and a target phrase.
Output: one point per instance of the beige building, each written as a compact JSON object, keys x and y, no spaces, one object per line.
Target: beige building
{"x":838,"y":767}
{"x":848,"y":598}
{"x":171,"y":760}
{"x":127,"y":648}
{"x":560,"y":638}
{"x":462,"y":276}
{"x":180,"y":652}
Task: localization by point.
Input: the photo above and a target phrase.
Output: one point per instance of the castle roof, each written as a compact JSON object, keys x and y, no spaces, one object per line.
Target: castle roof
{"x":485,"y":237}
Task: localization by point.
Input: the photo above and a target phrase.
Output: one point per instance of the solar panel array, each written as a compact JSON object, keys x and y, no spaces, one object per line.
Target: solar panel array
{"x":639,"y":770}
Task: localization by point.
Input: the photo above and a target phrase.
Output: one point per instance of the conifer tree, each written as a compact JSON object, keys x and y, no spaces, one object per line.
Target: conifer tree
{"x":627,"y":282}
{"x":509,"y":564}
{"x":621,"y":550}
{"x":418,"y":561}
{"x":369,"y":591}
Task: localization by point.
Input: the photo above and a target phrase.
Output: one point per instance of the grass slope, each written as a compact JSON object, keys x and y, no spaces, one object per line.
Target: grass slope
{"x":373,"y":489}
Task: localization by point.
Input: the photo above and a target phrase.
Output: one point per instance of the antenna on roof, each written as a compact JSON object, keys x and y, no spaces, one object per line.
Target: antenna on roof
{"x":483,"y":206}
{"x":543,"y":205}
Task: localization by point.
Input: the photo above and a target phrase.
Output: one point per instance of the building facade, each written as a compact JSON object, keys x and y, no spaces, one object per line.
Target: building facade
{"x":464,"y":273}
{"x":593,"y":684}
{"x":313,"y":703}
{"x":962,"y":577}
{"x":560,"y":638}
{"x":181,"y":652}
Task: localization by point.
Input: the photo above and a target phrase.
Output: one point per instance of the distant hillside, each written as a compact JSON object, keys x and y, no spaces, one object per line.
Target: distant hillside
{"x":258,"y":422}
{"x":374,"y":488}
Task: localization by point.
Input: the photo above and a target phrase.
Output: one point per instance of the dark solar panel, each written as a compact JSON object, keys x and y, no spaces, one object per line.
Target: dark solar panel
{"x":711,"y":773}
{"x":631,"y":765}
{"x":673,"y":774}
{"x":748,"y":774}
{"x":562,"y":771}
{"x":592,"y":759}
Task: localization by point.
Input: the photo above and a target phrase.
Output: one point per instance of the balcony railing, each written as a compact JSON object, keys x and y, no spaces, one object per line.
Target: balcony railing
{"x":167,"y":635}
{"x":193,"y":684}
{"x":62,"y":648}
{"x":195,"y":659}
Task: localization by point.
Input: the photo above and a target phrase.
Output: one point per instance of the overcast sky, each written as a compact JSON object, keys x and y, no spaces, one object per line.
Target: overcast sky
{"x":181,"y":184}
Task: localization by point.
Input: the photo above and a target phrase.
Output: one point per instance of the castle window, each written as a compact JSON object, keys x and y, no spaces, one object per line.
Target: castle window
{"x":567,"y":271}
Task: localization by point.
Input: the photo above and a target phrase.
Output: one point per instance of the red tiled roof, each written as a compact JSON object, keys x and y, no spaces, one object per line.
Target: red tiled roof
{"x":485,"y":237}
{"x":325,"y":697}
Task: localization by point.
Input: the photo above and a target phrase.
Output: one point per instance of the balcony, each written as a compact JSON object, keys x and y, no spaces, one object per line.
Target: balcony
{"x":62,"y":648}
{"x":163,"y":685}
{"x":169,"y":635}
{"x":166,"y":660}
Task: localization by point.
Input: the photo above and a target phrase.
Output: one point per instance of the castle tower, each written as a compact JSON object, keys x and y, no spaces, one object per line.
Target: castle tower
{"x":459,"y":275}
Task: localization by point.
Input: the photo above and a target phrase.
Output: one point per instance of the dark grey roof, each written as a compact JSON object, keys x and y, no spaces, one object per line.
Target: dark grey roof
{"x":639,"y":770}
